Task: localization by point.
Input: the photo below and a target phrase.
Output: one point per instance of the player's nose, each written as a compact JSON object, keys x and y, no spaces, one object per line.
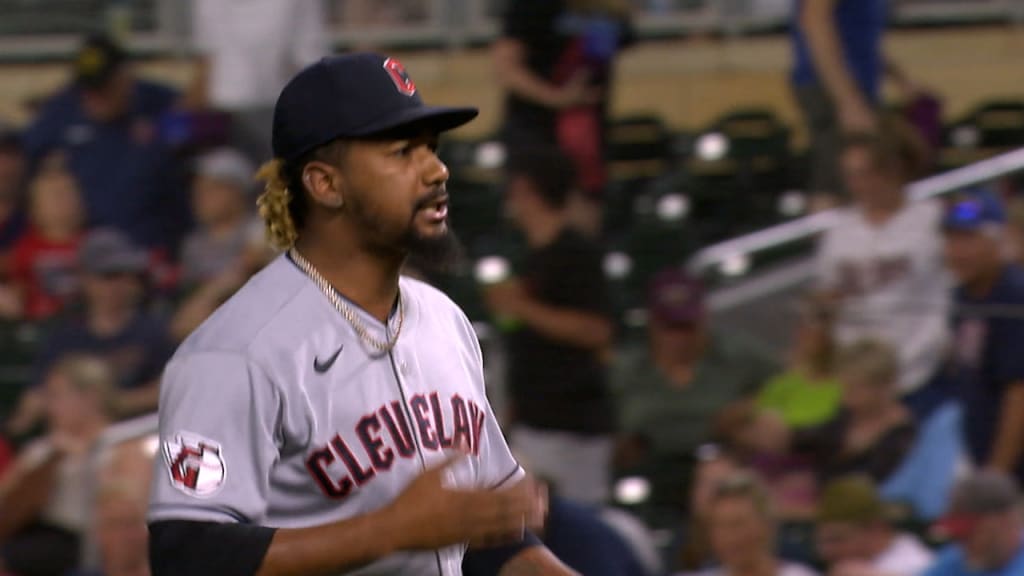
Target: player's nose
{"x":435,"y":171}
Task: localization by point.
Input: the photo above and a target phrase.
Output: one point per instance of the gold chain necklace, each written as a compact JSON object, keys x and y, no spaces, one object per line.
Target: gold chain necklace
{"x":346,"y":310}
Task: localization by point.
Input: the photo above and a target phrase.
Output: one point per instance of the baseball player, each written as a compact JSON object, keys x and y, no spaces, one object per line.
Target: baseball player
{"x":331,"y":418}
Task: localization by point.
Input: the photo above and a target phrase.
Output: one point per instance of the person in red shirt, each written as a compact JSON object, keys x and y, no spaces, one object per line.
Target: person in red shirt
{"x":43,"y":261}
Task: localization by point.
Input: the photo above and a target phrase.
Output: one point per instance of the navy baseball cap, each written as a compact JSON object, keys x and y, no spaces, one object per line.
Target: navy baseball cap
{"x":974,"y":210}
{"x":357,"y":95}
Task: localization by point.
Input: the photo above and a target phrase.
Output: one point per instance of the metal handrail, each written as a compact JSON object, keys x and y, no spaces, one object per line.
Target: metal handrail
{"x":810,"y":226}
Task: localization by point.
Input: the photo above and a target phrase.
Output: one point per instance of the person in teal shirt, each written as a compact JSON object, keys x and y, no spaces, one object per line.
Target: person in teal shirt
{"x":986,"y":524}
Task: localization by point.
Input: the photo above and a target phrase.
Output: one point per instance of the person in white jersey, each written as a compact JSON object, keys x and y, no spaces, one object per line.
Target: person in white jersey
{"x":330,"y":418}
{"x":883,"y":260}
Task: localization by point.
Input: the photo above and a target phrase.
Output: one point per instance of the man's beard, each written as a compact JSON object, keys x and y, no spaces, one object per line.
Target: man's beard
{"x":432,"y":256}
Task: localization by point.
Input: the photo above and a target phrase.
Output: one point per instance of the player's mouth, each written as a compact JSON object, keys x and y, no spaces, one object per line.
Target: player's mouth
{"x":436,"y":209}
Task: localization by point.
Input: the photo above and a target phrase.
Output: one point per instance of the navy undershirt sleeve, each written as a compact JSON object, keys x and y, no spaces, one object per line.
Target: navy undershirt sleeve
{"x":489,"y":561}
{"x":178,"y":547}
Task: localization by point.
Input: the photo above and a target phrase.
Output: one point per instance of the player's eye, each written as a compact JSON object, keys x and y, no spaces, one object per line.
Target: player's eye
{"x":404,"y":149}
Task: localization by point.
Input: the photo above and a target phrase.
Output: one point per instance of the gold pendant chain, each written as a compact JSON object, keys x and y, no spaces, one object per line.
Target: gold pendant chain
{"x":346,"y":311}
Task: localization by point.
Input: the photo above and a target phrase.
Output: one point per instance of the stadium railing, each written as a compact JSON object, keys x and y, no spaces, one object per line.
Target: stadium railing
{"x":752,"y":293}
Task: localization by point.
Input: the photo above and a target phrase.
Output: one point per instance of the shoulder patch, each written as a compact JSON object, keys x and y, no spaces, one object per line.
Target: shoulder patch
{"x":195,"y":464}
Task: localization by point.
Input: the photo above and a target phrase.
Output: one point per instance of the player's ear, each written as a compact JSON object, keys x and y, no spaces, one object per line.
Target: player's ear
{"x":324,"y":183}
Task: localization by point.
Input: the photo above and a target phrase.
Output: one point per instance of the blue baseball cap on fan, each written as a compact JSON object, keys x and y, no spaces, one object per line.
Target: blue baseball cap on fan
{"x":976,"y":209}
{"x":356,"y":95}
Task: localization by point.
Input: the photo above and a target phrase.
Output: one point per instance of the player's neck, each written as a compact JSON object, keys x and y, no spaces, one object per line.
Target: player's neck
{"x":367,"y":279}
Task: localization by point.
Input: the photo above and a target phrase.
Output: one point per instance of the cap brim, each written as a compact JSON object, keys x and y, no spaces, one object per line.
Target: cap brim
{"x":434,"y":118}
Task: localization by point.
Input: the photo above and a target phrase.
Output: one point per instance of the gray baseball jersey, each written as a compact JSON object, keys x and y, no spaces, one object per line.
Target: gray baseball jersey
{"x":275,"y":413}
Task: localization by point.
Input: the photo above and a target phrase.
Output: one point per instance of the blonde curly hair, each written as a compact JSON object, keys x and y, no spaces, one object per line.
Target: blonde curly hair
{"x":275,"y":205}
{"x":283,"y":204}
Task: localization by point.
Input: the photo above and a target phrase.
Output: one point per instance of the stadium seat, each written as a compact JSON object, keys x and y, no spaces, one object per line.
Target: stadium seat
{"x":740,"y":164}
{"x":638,"y":147}
{"x":988,"y":129}
{"x":663,"y":231}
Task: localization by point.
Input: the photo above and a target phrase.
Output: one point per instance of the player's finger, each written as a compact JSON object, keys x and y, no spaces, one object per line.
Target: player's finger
{"x":539,"y":510}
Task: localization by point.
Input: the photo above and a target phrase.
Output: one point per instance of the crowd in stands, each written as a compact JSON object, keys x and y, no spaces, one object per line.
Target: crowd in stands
{"x":888,"y":442}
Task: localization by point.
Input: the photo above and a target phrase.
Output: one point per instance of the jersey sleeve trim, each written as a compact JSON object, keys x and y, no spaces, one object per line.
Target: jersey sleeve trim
{"x":171,"y":512}
{"x":516,"y":474}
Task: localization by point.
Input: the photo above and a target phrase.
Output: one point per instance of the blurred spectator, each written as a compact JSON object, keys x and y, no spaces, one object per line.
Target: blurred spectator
{"x":120,"y":526}
{"x":562,"y":419}
{"x":123,"y":471}
{"x":672,"y":391}
{"x":44,"y":260}
{"x":807,"y":393}
{"x":741,"y":527}
{"x":985,"y":521}
{"x":113,"y":323}
{"x":714,"y":464}
{"x":248,"y":49}
{"x":363,"y":14}
{"x":12,"y":180}
{"x":837,"y":75}
{"x":987,"y":359}
{"x":106,"y":121}
{"x":229,"y":243}
{"x":1015,"y":227}
{"x":228,"y":229}
{"x":555,"y":60}
{"x":923,"y":482}
{"x":855,"y":537}
{"x":45,"y":497}
{"x":882,"y":261}
{"x":871,"y":435}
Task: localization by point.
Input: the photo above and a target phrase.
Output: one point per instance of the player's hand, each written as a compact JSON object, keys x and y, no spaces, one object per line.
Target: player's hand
{"x":577,"y":92}
{"x":430,"y":514}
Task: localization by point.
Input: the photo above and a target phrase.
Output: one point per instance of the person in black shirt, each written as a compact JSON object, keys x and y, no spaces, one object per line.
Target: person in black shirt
{"x":561,"y":411}
{"x":554,"y":58}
